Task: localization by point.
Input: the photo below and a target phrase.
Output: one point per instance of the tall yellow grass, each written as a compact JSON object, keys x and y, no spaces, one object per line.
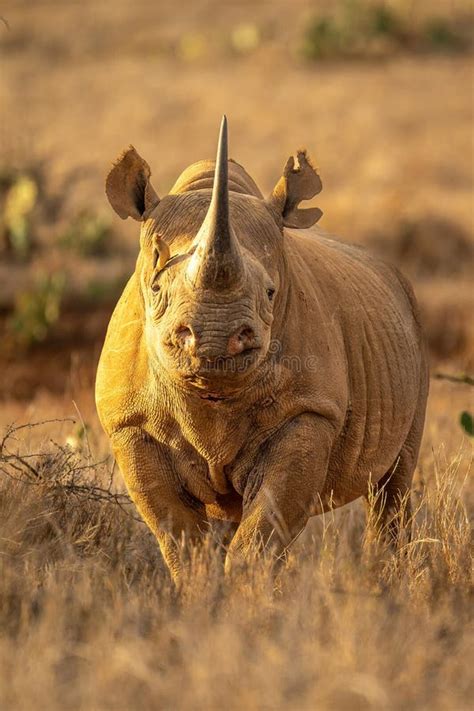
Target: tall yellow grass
{"x":89,"y":619}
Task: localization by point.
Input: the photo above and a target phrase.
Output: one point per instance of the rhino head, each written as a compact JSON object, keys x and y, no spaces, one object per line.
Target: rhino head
{"x":212,"y":263}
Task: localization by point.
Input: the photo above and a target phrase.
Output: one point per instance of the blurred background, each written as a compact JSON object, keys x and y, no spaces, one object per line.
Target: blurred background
{"x":379,"y":92}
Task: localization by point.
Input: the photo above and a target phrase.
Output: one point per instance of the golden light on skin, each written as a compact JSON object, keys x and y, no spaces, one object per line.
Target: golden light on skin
{"x":359,"y":409}
{"x":161,"y":251}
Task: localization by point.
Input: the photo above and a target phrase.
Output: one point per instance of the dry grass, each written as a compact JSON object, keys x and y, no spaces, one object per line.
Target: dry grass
{"x":89,"y":619}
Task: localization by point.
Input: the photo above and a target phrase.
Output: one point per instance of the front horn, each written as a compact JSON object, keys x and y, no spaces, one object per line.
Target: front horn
{"x":217,"y":260}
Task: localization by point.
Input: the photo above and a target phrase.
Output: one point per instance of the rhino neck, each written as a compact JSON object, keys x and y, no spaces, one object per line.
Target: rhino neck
{"x":200,"y":176}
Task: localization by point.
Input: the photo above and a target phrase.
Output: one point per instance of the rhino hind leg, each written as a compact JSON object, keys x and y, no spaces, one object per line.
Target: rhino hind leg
{"x":390,"y":496}
{"x":389,"y":501}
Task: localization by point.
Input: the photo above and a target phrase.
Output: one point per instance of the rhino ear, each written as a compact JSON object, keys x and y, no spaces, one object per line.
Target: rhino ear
{"x":128,"y":186}
{"x":298,"y":182}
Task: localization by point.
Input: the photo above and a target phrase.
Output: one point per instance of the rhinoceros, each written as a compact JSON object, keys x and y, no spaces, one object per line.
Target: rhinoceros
{"x":255,"y":369}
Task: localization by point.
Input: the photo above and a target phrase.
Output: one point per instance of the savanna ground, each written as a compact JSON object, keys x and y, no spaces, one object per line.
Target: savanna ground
{"x":381,"y":95}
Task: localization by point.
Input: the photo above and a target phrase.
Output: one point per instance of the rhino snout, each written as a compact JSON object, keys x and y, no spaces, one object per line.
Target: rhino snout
{"x":210,"y":346}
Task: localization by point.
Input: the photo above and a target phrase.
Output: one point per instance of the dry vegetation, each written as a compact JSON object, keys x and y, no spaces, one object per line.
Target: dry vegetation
{"x":88,"y":617}
{"x":90,"y":620}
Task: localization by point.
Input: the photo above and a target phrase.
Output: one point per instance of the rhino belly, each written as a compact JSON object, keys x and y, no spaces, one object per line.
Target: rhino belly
{"x":385,"y":384}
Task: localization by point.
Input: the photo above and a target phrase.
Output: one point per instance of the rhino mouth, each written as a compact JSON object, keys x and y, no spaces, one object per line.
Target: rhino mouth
{"x":229,"y":365}
{"x":212,"y":397}
{"x":210,"y":374}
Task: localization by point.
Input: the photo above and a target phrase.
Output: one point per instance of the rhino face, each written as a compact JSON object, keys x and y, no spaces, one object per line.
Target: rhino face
{"x":210,"y":336}
{"x":210,"y":310}
{"x":210,"y":272}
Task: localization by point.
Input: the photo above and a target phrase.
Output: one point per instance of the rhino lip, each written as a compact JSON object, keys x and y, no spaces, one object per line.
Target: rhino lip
{"x":212,"y":397}
{"x":212,"y":378}
{"x":229,"y":360}
{"x":248,"y":350}
{"x":225,"y":364}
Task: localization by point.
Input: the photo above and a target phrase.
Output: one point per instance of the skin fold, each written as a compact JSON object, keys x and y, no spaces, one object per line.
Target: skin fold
{"x":255,"y":370}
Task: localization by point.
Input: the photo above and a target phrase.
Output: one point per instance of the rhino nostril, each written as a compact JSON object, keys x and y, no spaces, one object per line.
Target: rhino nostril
{"x":241,"y":340}
{"x":185,"y":338}
{"x":246,"y":335}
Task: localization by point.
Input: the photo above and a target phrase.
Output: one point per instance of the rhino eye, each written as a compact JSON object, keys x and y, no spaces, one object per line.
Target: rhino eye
{"x":155,"y":287}
{"x":270,"y":294}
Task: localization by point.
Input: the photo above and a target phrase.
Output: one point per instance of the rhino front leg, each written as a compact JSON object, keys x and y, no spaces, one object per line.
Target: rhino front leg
{"x":154,"y":487}
{"x":283,"y":490}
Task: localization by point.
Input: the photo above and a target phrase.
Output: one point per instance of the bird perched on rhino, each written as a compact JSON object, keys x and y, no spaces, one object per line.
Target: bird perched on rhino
{"x":255,"y":370}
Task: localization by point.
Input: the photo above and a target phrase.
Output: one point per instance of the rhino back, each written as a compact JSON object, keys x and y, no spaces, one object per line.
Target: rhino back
{"x":374,"y":349}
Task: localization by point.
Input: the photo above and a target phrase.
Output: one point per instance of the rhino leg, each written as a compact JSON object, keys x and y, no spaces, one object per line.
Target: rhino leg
{"x":391,"y":494}
{"x":283,"y":490}
{"x":167,"y":509}
{"x":390,"y":499}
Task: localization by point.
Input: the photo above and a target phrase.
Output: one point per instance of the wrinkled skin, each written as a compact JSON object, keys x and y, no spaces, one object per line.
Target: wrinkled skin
{"x":266,"y":401}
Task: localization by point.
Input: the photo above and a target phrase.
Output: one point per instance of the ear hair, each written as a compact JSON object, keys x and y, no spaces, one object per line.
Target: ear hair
{"x":296,"y":184}
{"x":128,"y":186}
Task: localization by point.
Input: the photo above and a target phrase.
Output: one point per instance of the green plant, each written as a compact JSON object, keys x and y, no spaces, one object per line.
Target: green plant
{"x":87,"y":234}
{"x":467,"y":423}
{"x":362,"y":28}
{"x":354,"y":29}
{"x":37,"y":310}
{"x":382,"y":20}
{"x":245,"y":38}
{"x":440,"y":35}
{"x":20,"y":201}
{"x":466,"y":420}
{"x":322,"y":39}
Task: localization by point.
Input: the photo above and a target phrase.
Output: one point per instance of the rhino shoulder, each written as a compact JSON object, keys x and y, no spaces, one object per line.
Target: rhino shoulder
{"x":122,"y":373}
